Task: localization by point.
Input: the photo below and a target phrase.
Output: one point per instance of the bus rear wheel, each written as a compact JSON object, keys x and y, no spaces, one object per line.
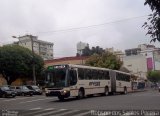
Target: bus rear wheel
{"x":106,"y":91}
{"x":125,"y":91}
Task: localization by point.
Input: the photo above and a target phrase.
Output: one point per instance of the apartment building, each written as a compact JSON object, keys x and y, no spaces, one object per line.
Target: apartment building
{"x":81,"y":46}
{"x":42,"y":48}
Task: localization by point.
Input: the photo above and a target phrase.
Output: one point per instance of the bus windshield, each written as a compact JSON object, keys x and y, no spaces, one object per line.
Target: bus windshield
{"x":56,"y":78}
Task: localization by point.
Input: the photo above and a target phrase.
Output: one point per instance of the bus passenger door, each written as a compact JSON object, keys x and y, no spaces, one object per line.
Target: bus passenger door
{"x":113,"y":81}
{"x":72,"y":80}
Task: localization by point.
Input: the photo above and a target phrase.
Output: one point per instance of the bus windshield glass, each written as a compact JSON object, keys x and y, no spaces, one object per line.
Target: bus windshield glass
{"x":56,"y":78}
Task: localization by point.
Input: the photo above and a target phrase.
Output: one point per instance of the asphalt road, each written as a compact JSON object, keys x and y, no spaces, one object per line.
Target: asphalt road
{"x":41,"y":105}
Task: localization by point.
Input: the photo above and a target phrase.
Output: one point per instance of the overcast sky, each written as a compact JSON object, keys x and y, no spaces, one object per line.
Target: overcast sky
{"x":44,"y":18}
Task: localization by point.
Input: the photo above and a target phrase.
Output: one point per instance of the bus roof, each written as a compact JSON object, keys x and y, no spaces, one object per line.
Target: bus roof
{"x":91,"y":67}
{"x":122,"y":72}
{"x":87,"y":67}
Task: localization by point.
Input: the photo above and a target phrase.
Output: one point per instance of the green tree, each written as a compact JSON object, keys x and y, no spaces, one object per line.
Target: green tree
{"x":153,"y":76}
{"x":153,"y":24}
{"x":16,"y":61}
{"x":105,"y":60}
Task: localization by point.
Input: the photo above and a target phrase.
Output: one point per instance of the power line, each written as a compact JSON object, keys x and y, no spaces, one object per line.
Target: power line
{"x":96,"y":25}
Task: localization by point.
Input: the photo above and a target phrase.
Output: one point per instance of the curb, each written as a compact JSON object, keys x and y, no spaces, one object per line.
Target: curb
{"x":134,"y":91}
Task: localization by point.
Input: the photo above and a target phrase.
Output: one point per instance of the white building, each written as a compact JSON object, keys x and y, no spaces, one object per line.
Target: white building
{"x":136,"y":64}
{"x":142,"y":59}
{"x":146,"y":47}
{"x":153,"y":59}
{"x":81,"y":46}
{"x":152,"y":55}
{"x":42,"y":48}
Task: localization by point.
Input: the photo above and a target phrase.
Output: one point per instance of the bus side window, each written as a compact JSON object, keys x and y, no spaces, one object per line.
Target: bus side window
{"x":94,"y":74}
{"x":73,"y":77}
{"x":88,"y":74}
{"x":127,"y":78}
{"x":106,"y":74}
{"x":118,"y":76}
{"x":100,"y":76}
{"x":80,"y":73}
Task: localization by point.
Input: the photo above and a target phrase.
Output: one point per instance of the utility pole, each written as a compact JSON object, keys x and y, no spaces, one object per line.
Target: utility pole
{"x":33,"y":60}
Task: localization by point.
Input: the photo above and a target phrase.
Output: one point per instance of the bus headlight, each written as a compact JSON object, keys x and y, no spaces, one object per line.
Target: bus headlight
{"x":47,"y":91}
{"x":64,"y":92}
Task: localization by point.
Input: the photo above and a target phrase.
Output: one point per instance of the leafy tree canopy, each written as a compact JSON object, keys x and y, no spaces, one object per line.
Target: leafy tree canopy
{"x":16,"y":61}
{"x":153,"y":24}
{"x":105,"y":60}
{"x":153,"y":76}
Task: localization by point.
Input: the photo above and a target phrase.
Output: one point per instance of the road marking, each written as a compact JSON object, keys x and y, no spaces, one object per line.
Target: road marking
{"x":85,"y":113}
{"x":13,"y":99}
{"x":35,"y":108}
{"x":43,"y":114}
{"x":35,"y":112}
{"x":19,"y":98}
{"x":63,"y":109}
{"x":49,"y":109}
{"x":66,"y":113}
{"x":35,"y":100}
{"x":2,"y":99}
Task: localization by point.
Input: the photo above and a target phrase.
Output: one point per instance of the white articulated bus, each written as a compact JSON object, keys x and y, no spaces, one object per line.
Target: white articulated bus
{"x":78,"y":81}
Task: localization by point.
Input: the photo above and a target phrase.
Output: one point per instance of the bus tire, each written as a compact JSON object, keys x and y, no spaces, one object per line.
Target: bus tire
{"x":125,"y":91}
{"x":80,"y":94}
{"x":61,"y":98}
{"x":106,"y":91}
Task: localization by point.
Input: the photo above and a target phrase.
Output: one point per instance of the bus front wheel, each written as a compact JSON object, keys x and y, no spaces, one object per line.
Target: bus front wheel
{"x":80,"y":94}
{"x":106,"y":91}
{"x":61,"y":98}
{"x":125,"y":91}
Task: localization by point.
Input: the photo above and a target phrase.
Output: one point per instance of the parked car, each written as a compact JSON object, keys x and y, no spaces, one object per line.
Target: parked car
{"x":22,"y":90}
{"x":36,"y":89}
{"x":5,"y":91}
{"x":13,"y":88}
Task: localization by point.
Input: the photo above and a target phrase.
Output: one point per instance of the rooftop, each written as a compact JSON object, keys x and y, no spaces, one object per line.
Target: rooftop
{"x":66,"y":59}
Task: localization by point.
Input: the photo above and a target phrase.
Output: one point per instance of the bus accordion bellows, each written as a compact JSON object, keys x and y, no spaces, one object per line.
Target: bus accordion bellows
{"x":79,"y":81}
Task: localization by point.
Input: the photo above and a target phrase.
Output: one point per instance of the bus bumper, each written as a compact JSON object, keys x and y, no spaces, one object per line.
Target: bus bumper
{"x":63,"y":93}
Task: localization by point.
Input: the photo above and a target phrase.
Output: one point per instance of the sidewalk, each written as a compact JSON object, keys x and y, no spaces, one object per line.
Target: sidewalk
{"x":139,"y":90}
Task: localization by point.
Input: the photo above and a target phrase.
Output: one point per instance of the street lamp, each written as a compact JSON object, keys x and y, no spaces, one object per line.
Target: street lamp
{"x":33,"y":61}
